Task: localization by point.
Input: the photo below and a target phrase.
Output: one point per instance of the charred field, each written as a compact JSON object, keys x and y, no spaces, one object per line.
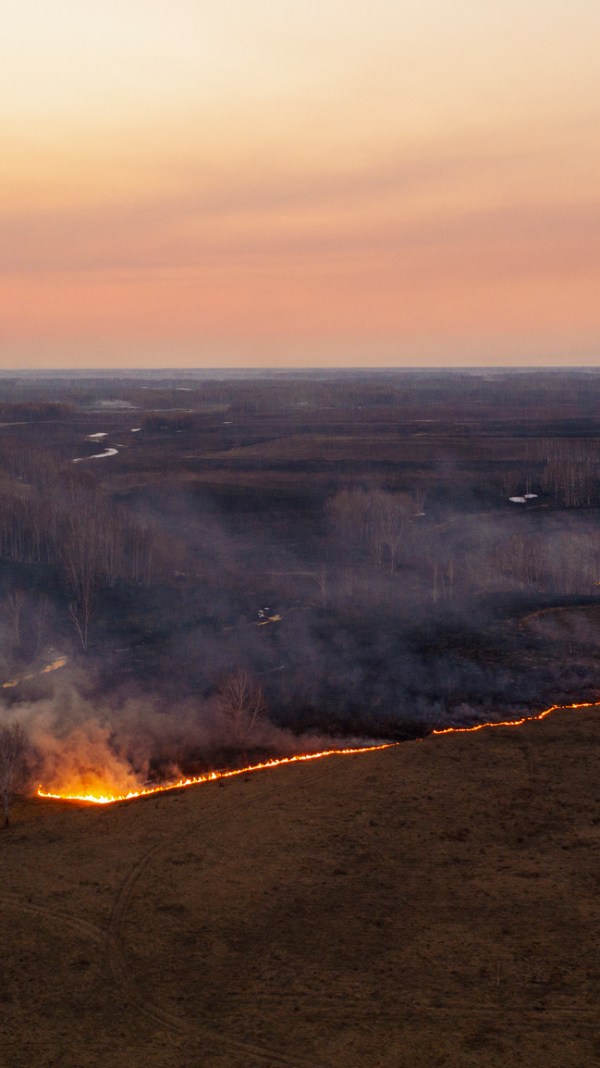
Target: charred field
{"x":370,"y":513}
{"x":221,"y":569}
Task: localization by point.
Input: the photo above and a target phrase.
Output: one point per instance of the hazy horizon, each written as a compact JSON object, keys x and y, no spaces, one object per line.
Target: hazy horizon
{"x":485,"y":370}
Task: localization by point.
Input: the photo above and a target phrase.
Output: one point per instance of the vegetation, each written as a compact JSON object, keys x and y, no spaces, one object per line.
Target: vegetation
{"x":12,"y":751}
{"x":241,"y":705}
{"x":370,"y":512}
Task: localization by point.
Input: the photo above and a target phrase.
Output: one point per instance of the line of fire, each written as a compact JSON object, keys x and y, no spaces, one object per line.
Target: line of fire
{"x":214,"y":776}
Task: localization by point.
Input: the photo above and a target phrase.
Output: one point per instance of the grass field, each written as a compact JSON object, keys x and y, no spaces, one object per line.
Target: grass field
{"x":431,"y":904}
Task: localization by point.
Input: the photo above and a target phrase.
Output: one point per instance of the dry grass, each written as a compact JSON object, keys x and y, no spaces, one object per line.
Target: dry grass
{"x":434,"y":904}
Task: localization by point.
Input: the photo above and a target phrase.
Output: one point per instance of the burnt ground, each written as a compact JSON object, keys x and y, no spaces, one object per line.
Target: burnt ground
{"x":239,"y":487}
{"x":432,"y":904}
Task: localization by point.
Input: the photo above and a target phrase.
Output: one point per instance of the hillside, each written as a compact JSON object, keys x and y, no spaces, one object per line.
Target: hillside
{"x":432,"y":904}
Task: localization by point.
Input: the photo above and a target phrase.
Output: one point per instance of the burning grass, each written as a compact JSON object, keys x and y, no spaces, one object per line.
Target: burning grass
{"x":103,"y":794}
{"x":107,"y":798}
{"x":433,"y":903}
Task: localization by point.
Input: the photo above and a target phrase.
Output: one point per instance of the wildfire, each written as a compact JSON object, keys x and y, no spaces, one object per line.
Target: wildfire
{"x":108,"y":797}
{"x":44,"y":671}
{"x":54,"y":666}
{"x":516,"y":722}
{"x":210,"y":776}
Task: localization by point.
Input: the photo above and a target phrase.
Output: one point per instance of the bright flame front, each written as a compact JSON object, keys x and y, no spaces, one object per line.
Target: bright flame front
{"x":516,"y":722}
{"x":103,"y":796}
{"x":107,"y":798}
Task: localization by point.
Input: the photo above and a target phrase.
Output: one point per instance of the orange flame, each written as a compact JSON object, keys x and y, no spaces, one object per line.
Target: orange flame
{"x":210,"y":776}
{"x":516,"y":722}
{"x":44,"y":671}
{"x":213,"y":776}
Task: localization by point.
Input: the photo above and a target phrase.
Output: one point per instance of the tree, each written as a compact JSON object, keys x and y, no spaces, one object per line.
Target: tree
{"x":241,"y":706}
{"x":371,"y":523}
{"x":12,"y":751}
{"x":388,"y":521}
{"x":14,"y":605}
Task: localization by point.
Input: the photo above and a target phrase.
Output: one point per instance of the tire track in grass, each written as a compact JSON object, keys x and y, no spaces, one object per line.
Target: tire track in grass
{"x":85,"y":927}
{"x":327,"y":1002}
{"x":123,"y":974}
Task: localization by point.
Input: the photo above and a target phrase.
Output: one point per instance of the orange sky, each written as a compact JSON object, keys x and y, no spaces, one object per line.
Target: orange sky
{"x":299,"y":184}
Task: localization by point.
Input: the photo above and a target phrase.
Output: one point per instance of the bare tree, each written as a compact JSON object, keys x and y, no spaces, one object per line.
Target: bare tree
{"x":372,"y":523}
{"x":387,"y":529}
{"x":571,"y":472}
{"x":80,"y":613}
{"x":241,"y":705}
{"x":12,"y":749}
{"x":14,"y":605}
{"x":42,"y":612}
{"x":348,"y":515}
{"x":320,"y":574}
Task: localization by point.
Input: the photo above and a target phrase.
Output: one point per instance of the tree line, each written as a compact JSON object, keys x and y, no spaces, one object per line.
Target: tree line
{"x":54,"y":515}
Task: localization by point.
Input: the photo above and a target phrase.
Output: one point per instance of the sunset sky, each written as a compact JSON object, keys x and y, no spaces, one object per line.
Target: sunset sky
{"x":293,"y":183}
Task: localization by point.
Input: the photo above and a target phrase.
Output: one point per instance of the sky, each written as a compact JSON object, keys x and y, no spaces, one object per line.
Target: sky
{"x":295,"y":183}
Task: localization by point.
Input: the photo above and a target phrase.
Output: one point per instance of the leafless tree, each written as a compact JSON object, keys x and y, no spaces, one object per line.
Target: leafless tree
{"x":571,"y":472}
{"x":347,"y":512}
{"x":241,"y":706}
{"x":371,"y":522}
{"x":81,"y":559}
{"x":387,"y":527}
{"x":12,"y":750}
{"x":80,"y":613}
{"x":42,"y":613}
{"x":515,"y":562}
{"x":321,"y":577}
{"x":14,"y":605}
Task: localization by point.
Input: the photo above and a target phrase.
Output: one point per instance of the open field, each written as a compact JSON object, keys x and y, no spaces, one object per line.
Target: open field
{"x":432,"y":904}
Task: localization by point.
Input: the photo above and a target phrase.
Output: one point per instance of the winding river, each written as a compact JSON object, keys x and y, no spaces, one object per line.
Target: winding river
{"x":111,"y":450}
